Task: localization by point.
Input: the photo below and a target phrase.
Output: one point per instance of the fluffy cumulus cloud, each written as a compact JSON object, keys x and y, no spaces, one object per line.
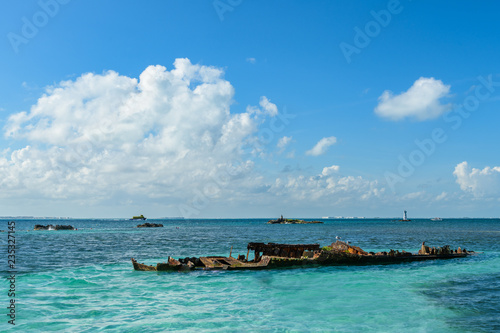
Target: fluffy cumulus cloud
{"x":420,"y":102}
{"x":164,"y":135}
{"x":327,"y":171}
{"x":322,"y":146}
{"x":270,"y":108}
{"x":167,"y":138}
{"x":266,"y":108}
{"x":481,"y":183}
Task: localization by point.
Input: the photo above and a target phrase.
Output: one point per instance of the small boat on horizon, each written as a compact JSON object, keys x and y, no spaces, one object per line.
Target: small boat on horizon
{"x":436,"y":219}
{"x":140,"y":217}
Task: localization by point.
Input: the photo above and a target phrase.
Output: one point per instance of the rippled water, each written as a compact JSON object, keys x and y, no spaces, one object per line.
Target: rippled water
{"x":83,"y":280}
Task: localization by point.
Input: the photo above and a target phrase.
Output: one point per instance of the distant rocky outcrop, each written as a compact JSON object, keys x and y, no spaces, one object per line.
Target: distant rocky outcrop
{"x":51,"y":227}
{"x":282,"y":220}
{"x":150,"y":225}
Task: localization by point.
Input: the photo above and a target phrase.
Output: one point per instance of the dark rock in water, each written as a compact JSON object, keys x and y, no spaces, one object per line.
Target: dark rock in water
{"x":150,"y":225}
{"x":51,"y":227}
{"x":65,"y":227}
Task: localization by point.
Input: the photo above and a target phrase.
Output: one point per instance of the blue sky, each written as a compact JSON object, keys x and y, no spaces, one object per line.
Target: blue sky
{"x":249,"y":108}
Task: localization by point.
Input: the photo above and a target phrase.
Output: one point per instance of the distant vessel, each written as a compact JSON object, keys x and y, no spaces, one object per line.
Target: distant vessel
{"x":405,"y":216}
{"x":436,"y":219}
{"x":140,"y":217}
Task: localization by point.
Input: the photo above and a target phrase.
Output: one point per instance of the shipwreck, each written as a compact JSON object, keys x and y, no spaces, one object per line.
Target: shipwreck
{"x":282,"y":220}
{"x":272,"y":255}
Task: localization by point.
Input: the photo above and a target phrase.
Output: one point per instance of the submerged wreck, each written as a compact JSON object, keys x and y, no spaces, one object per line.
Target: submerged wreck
{"x":51,"y":227}
{"x":282,"y":220}
{"x":274,"y":255}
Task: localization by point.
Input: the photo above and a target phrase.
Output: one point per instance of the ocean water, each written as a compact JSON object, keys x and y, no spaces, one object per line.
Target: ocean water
{"x":83,"y":280}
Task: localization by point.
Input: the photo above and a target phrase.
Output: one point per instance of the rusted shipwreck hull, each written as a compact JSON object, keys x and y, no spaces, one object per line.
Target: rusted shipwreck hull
{"x":274,"y":255}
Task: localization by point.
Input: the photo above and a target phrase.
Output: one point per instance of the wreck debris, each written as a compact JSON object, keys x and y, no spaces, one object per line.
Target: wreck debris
{"x":281,"y":250}
{"x":440,"y":250}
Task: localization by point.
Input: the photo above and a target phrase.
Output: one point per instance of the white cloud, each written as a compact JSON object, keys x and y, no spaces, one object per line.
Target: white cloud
{"x":442,"y":196}
{"x":269,"y":108}
{"x":327,"y":171}
{"x":321,"y":147}
{"x":327,"y":188}
{"x":251,"y":60}
{"x":420,"y":102}
{"x":414,"y":195}
{"x":266,"y":108}
{"x":284,"y":141}
{"x":480,"y":183}
{"x":165,"y":135}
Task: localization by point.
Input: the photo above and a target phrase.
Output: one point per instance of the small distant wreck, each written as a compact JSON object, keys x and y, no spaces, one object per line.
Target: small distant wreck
{"x":51,"y":227}
{"x":272,"y":255}
{"x":282,"y":220}
{"x":150,"y":225}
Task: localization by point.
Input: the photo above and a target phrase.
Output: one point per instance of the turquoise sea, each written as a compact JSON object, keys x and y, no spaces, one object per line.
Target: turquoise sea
{"x":83,"y":280}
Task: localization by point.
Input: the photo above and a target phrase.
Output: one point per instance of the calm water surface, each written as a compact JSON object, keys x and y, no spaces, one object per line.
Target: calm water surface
{"x":83,"y":280}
